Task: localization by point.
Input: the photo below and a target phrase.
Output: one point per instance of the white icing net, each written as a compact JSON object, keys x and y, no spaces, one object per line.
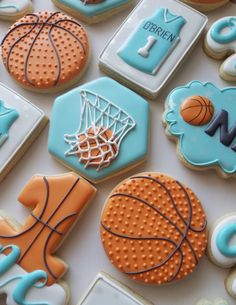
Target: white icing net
{"x":102,"y":128}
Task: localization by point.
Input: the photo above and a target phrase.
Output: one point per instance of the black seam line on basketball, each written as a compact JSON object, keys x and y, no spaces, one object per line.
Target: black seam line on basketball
{"x":177,"y":249}
{"x":196,"y":106}
{"x":34,"y":224}
{"x":206,"y":109}
{"x":48,"y":239}
{"x":198,"y":113}
{"x":57,"y":208}
{"x":46,"y":225}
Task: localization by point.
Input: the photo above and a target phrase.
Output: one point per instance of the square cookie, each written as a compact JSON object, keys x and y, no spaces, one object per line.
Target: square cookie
{"x":107,"y":291}
{"x":151,"y":44}
{"x":20,"y":124}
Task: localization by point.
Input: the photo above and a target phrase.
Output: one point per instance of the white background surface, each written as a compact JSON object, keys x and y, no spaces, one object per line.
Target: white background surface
{"x":83,"y":250}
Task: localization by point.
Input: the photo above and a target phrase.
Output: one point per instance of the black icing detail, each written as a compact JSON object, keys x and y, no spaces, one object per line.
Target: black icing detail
{"x":221,"y":120}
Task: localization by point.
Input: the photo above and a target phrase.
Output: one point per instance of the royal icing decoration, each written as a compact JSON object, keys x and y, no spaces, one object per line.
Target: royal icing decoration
{"x":221,"y":41}
{"x":206,"y":5}
{"x":153,"y":228}
{"x":23,"y":288}
{"x":204,"y":110}
{"x":57,"y":61}
{"x":106,"y":291}
{"x":11,"y":8}
{"x":150,"y":45}
{"x":28,"y":121}
{"x":217,"y":301}
{"x":7,"y":118}
{"x":55,"y":203}
{"x":93,"y":128}
{"x":222,"y":247}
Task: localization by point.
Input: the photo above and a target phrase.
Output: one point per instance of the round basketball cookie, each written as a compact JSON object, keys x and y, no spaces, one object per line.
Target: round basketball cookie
{"x":206,"y":5}
{"x":46,"y":52}
{"x":154,"y":229}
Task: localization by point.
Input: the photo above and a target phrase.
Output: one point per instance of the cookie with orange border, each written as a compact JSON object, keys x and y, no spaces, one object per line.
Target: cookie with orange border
{"x":206,"y":5}
{"x":154,"y":229}
{"x":45,"y":51}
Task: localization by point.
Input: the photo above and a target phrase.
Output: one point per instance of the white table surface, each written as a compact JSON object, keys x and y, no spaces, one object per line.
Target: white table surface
{"x":83,"y":250}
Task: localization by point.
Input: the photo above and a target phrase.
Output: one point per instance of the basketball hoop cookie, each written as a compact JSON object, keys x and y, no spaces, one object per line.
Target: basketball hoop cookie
{"x":46,"y":52}
{"x":206,"y":5}
{"x":93,"y":129}
{"x":153,"y":229}
{"x":30,"y":272}
{"x":220,"y":43}
{"x":93,"y":11}
{"x":20,"y":124}
{"x":12,"y":10}
{"x":151,"y":44}
{"x":201,"y":118}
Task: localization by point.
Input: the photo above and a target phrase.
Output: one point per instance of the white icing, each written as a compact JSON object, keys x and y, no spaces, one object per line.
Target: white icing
{"x":105,"y":291}
{"x":29,"y":118}
{"x":8,"y":7}
{"x":54,"y":295}
{"x":189,"y":33}
{"x":234,"y":287}
{"x":229,"y":65}
{"x":219,"y":258}
{"x":146,"y":49}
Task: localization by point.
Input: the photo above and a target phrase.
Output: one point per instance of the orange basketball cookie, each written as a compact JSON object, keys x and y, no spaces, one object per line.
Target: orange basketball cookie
{"x":154,"y":229}
{"x":206,"y":5}
{"x":45,"y":51}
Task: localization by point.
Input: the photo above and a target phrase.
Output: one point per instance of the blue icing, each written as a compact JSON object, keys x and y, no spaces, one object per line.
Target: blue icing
{"x":66,"y":118}
{"x":195,"y":145}
{"x":7,"y":118}
{"x":153,"y":41}
{"x":24,"y":281}
{"x":223,"y":240}
{"x":93,"y":9}
{"x":219,"y":35}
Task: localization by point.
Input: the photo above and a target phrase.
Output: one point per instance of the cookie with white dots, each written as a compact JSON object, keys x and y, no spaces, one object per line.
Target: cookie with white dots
{"x":154,"y":229}
{"x":45,"y":51}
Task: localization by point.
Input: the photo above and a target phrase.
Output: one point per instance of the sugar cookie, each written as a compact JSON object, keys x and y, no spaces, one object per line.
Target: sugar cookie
{"x":206,"y":130}
{"x":220,"y":43}
{"x":151,"y":44}
{"x":93,"y":11}
{"x":46,"y":52}
{"x":12,"y":10}
{"x":103,"y":290}
{"x":154,"y":229}
{"x":206,"y":5}
{"x":20,"y":124}
{"x":217,"y":301}
{"x":29,"y":268}
{"x":222,"y":249}
{"x":93,"y":129}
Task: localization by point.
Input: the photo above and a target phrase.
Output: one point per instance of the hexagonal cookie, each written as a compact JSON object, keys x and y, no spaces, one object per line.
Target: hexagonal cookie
{"x":99,"y":129}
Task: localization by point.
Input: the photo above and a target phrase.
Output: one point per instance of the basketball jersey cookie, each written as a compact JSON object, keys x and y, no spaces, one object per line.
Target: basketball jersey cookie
{"x":153,"y":228}
{"x":93,"y":129}
{"x":217,"y":301}
{"x":220,"y":43}
{"x":150,"y":45}
{"x":14,"y":9}
{"x":93,"y":11}
{"x":53,"y":65}
{"x":20,"y":124}
{"x":201,"y":115}
{"x":153,"y":41}
{"x":27,"y":253}
{"x":222,"y":249}
{"x":103,"y":290}
{"x":206,"y":5}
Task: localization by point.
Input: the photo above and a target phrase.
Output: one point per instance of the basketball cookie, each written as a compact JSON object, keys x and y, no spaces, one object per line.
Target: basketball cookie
{"x":93,"y":129}
{"x":153,"y":229}
{"x":46,"y":52}
{"x":30,"y":271}
{"x":206,"y":5}
{"x":202,"y":119}
{"x":222,"y":250}
{"x":217,"y":301}
{"x":220,"y":43}
{"x":20,"y":124}
{"x":151,"y":44}
{"x":106,"y":290}
{"x":12,"y":10}
{"x":93,"y":11}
